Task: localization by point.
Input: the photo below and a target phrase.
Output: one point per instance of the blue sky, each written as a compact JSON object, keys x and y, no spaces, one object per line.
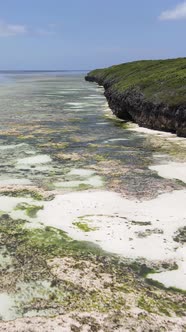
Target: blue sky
{"x":85,"y":34}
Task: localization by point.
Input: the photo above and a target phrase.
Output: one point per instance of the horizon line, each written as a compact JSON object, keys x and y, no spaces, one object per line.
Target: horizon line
{"x":41,"y":70}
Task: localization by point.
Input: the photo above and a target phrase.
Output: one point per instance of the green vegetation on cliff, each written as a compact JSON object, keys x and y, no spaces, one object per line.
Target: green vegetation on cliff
{"x":159,"y":80}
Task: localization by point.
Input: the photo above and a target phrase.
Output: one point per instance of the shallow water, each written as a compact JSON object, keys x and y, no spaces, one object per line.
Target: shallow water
{"x":58,"y":134}
{"x":51,"y":124}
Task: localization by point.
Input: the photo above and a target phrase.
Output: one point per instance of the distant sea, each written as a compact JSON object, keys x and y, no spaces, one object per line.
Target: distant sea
{"x":47,"y":72}
{"x":6,"y":76}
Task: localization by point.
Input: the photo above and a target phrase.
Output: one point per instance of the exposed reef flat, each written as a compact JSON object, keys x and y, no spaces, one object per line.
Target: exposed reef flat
{"x":49,"y":281}
{"x":74,"y":180}
{"x":151,"y":93}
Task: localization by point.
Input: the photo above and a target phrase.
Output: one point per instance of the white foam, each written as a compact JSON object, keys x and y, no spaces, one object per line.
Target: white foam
{"x":171,"y":170}
{"x":93,"y":97}
{"x":102,"y":123}
{"x":75,"y":104}
{"x":115,"y":140}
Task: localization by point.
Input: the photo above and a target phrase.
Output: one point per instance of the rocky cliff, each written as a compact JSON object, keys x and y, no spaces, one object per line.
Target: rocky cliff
{"x":162,"y":107}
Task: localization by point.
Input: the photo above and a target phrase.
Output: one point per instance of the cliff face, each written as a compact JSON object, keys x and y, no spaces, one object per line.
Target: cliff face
{"x":131,"y":104}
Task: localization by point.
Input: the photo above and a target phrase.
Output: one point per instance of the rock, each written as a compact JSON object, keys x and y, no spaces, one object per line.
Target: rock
{"x":131,"y":104}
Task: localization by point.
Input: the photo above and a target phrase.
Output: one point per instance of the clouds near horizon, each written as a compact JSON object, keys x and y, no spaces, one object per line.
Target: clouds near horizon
{"x":177,"y":13}
{"x":13,"y":30}
{"x":7,"y":30}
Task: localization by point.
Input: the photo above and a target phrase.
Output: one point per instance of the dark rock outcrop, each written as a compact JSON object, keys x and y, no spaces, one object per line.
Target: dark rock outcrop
{"x":132,"y":105}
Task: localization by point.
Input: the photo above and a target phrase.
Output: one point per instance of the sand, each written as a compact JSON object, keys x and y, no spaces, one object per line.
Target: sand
{"x":39,"y":159}
{"x":171,"y":170}
{"x":133,"y":229}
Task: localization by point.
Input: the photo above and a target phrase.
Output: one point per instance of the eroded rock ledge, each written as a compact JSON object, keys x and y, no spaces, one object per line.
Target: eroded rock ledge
{"x":132,"y":103}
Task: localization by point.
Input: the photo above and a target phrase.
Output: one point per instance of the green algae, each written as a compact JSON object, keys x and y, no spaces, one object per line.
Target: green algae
{"x":30,"y":210}
{"x":11,"y":227}
{"x":84,"y":226}
{"x":32,"y":248}
{"x":100,"y":157}
{"x":141,"y":269}
{"x":57,"y":146}
{"x":151,"y":306}
{"x":156,"y":304}
{"x":49,"y":241}
{"x":24,"y":193}
{"x":84,"y":186}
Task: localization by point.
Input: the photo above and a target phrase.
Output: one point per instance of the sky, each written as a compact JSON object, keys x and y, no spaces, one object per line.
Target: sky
{"x":87,"y":34}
